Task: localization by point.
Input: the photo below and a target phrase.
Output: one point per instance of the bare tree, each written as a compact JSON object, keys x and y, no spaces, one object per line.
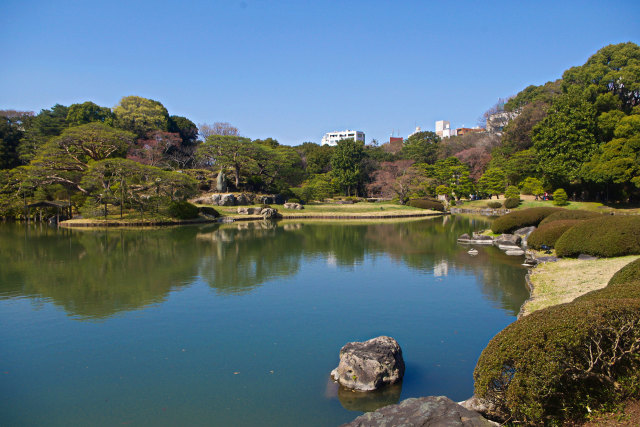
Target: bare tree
{"x":218,"y":128}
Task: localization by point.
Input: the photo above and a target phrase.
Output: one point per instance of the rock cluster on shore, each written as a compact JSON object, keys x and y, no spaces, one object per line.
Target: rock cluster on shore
{"x":512,"y":244}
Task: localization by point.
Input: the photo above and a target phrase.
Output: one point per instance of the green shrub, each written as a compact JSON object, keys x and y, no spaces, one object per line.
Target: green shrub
{"x":569,"y":214}
{"x":561,"y":362}
{"x":560,"y":197}
{"x":265,"y":206}
{"x":549,"y":233}
{"x":294,"y":200}
{"x":512,"y":203}
{"x":494,"y":205}
{"x":208,"y":210}
{"x":608,"y":236}
{"x":628,"y":273}
{"x":524,"y":218}
{"x":512,"y":192}
{"x":183,"y":210}
{"x":435,"y":205}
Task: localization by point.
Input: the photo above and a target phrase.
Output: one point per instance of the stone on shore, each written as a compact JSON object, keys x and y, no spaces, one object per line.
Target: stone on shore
{"x":508,"y":240}
{"x":297,"y":206}
{"x":249,"y":211}
{"x":369,"y":365}
{"x":269,"y":213}
{"x":423,"y":411}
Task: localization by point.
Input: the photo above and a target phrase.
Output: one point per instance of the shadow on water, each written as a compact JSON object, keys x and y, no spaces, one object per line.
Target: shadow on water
{"x":94,"y":274}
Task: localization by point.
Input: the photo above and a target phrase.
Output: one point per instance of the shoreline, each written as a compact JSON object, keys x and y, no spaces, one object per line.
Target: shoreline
{"x":95,"y":223}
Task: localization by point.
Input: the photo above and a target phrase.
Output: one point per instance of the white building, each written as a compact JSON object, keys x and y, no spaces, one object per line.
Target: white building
{"x":332,"y":138}
{"x":443,"y":129}
{"x":418,"y":130}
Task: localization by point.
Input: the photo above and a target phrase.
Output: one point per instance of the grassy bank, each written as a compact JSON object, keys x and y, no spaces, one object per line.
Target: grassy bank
{"x":530,"y":202}
{"x":563,"y":281}
{"x":327,"y":211}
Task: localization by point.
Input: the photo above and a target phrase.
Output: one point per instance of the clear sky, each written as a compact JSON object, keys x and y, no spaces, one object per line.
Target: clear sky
{"x":296,"y":69}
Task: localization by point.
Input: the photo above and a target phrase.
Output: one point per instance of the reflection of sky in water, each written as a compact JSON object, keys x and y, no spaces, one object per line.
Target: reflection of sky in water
{"x":240,"y":324}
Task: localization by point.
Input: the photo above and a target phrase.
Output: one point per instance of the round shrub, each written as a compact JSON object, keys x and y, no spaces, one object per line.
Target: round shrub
{"x":512,"y":192}
{"x":512,"y":203}
{"x":524,"y":218}
{"x":435,"y":205}
{"x":494,"y":205}
{"x":294,"y":200}
{"x":549,"y":233}
{"x":560,"y":362}
{"x":560,"y":197}
{"x":569,"y":214}
{"x":183,"y":210}
{"x":628,"y":273}
{"x":608,"y":236}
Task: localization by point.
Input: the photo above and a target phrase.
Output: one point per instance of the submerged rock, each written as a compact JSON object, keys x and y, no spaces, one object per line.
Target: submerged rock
{"x":423,"y":411}
{"x":367,"y":401}
{"x":369,"y":365}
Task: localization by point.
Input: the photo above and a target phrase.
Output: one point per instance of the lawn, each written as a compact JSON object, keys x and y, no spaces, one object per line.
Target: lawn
{"x":530,"y":202}
{"x":362,"y":209}
{"x":564,"y":280}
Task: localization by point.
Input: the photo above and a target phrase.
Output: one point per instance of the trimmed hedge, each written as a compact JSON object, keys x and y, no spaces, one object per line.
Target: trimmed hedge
{"x":569,"y":214}
{"x":512,"y":203}
{"x":627,"y":273}
{"x":494,"y":205}
{"x":435,"y":205}
{"x":524,"y":218}
{"x":608,"y":236}
{"x":538,"y":370}
{"x":183,"y":210}
{"x":548,"y":234}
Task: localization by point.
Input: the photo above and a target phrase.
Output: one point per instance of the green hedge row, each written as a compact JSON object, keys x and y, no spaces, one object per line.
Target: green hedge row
{"x":549,"y":233}
{"x":183,"y":210}
{"x":606,"y":236}
{"x":569,"y":214}
{"x":518,"y":219}
{"x":435,"y":205}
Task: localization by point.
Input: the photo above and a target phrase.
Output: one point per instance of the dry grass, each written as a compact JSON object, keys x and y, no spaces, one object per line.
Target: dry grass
{"x":563,"y":281}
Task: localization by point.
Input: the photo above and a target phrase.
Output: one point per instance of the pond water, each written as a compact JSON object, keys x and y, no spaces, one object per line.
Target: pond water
{"x":239,"y":324}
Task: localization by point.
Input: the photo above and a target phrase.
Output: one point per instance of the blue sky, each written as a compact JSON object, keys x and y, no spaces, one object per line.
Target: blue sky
{"x":294,"y":70}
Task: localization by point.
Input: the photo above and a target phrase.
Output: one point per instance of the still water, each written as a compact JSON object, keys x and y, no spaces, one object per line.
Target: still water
{"x":238,"y":324}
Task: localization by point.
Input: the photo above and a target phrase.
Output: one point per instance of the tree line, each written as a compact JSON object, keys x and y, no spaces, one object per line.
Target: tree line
{"x":581,"y":133}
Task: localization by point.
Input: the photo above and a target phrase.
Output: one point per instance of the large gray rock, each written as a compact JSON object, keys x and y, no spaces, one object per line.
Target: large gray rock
{"x":508,"y":240}
{"x":422,"y":411}
{"x":525,"y":231}
{"x":478,"y":236}
{"x":265,"y":200}
{"x":297,"y":206}
{"x":244,"y":199}
{"x":228,"y":200}
{"x":249,"y":211}
{"x":369,"y":365}
{"x":221,"y":182}
{"x":215,"y":199}
{"x":269,"y":213}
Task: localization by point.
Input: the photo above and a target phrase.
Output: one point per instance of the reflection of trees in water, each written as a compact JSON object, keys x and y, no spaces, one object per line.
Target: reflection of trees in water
{"x":244,"y":255}
{"x":95,"y":274}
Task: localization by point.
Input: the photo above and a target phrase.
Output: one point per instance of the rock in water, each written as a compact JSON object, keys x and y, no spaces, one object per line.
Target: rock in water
{"x":423,"y":411}
{"x":369,"y":365}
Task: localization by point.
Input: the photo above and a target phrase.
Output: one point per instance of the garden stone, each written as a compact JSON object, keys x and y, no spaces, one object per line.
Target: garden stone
{"x":508,"y":240}
{"x":221,"y":182}
{"x":369,"y":365}
{"x":215,"y":199}
{"x":269,"y":213}
{"x":525,"y":231}
{"x":422,"y":411}
{"x":297,"y":206}
{"x":244,"y":199}
{"x":478,"y":236}
{"x":228,"y":200}
{"x":515,"y":252}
